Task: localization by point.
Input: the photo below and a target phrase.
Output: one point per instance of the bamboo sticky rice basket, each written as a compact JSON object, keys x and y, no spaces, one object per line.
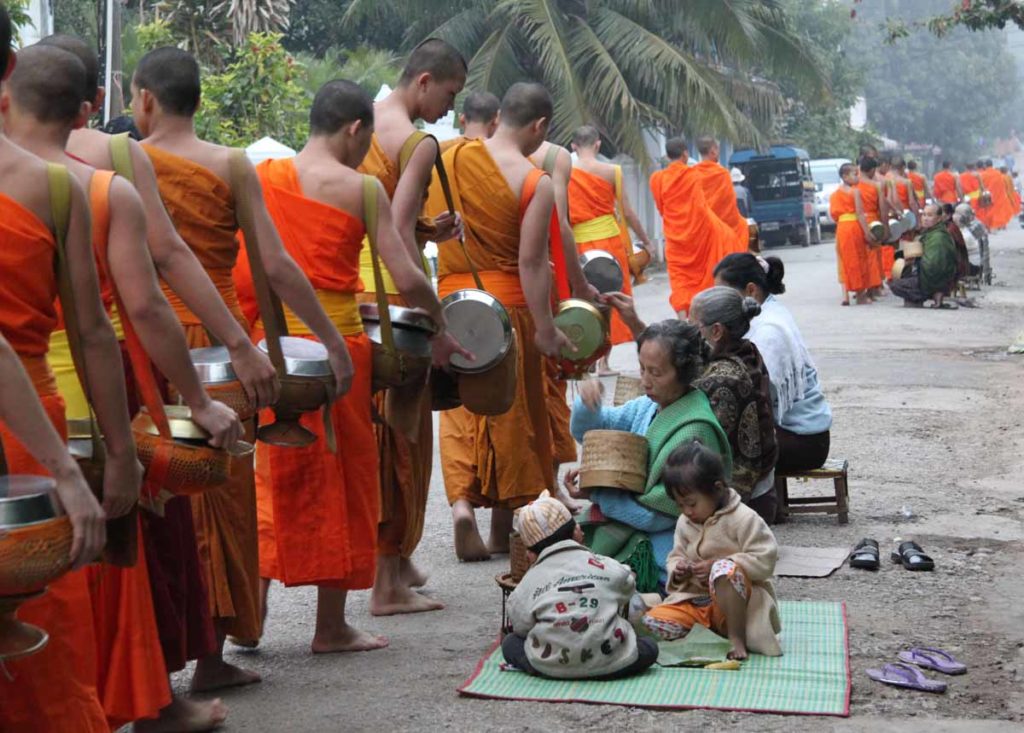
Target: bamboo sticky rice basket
{"x":519,"y":561}
{"x":626,"y":388}
{"x":614,"y":459}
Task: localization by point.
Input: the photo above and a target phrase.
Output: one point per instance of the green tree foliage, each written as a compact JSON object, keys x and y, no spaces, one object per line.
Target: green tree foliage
{"x":77,"y":17}
{"x":952,"y":91}
{"x":368,"y":67}
{"x":319,"y":28}
{"x":623,"y":65}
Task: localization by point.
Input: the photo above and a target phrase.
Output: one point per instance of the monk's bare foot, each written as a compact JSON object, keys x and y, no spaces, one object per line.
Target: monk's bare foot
{"x":497,"y":546}
{"x":738,"y":651}
{"x":401,"y":600}
{"x":499,"y":541}
{"x":411,"y":575}
{"x":347,"y":639}
{"x":469,"y":546}
{"x":186,"y":716}
{"x":571,"y":504}
{"x":244,"y":643}
{"x":216,"y":674}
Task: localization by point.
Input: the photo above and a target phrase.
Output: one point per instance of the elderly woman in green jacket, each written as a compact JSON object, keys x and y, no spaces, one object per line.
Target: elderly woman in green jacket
{"x":935,"y":271}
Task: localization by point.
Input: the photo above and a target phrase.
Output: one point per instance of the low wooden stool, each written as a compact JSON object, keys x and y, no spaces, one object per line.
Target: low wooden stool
{"x":838,"y":503}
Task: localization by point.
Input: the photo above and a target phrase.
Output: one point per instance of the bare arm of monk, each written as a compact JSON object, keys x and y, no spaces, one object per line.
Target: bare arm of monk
{"x":293,"y":287}
{"x":634,"y":223}
{"x":408,"y":200}
{"x":151,"y":315}
{"x":178,"y":266}
{"x":24,"y":417}
{"x":412,"y":282}
{"x":122,"y":476}
{"x":861,"y":218}
{"x":535,"y":268}
{"x":560,"y":181}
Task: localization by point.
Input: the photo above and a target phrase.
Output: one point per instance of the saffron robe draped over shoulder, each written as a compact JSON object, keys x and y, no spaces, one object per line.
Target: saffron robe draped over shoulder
{"x":506,"y":460}
{"x":131,"y":671}
{"x":318,"y":510}
{"x":1002,"y":209}
{"x":695,"y":238}
{"x":851,"y":247}
{"x":405,"y":464}
{"x":201,"y":205}
{"x":592,"y":212}
{"x":869,"y":197}
{"x":944,"y":187}
{"x":970,"y":184}
{"x":721,"y":197}
{"x":54,"y":690}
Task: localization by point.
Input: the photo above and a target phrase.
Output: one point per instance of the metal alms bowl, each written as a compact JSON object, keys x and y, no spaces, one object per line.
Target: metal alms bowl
{"x":213,"y":365}
{"x":478,"y":321}
{"x":179,"y":417}
{"x":26,"y":500}
{"x":412,"y":328}
{"x":585,"y":327}
{"x":602,"y":271}
{"x":302,"y":357}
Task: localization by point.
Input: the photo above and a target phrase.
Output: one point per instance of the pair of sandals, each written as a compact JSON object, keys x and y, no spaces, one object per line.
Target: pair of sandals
{"x":907,"y":672}
{"x":909,"y":554}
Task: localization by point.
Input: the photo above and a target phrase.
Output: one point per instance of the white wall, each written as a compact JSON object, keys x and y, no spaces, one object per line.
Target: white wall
{"x":42,"y":22}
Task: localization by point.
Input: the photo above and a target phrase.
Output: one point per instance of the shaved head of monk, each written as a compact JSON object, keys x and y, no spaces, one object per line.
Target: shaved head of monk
{"x":6,"y":34}
{"x":707,"y":146}
{"x":343,"y":112}
{"x":867,"y":150}
{"x":676,"y":149}
{"x":437,"y":72}
{"x":166,"y":82}
{"x":527,"y":108}
{"x":85,"y":54}
{"x":49,"y":85}
{"x":480,"y":107}
{"x":586,"y":137}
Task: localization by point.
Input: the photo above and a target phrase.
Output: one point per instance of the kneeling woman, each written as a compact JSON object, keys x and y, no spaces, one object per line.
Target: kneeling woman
{"x":636,"y":529}
{"x":803,"y":417}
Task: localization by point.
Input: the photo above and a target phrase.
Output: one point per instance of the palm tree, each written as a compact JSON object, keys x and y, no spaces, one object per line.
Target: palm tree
{"x":624,"y":65}
{"x":255,"y":16}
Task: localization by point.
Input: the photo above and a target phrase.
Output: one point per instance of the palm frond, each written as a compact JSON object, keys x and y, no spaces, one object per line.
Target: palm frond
{"x":465,"y":30}
{"x":493,"y":68}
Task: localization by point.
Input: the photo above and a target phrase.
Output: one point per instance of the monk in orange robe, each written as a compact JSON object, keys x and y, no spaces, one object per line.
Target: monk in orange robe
{"x":719,"y":192}
{"x":317,"y":203}
{"x":599,"y":211}
{"x":695,"y":238}
{"x":507,"y":204}
{"x":970,"y":185}
{"x":919,"y":183}
{"x":851,"y":231}
{"x":1011,"y":189}
{"x":1002,"y":210}
{"x":193,"y":178}
{"x":403,"y":160}
{"x":946,"y":185}
{"x":55,"y":689}
{"x":44,"y":104}
{"x":875,"y":205}
{"x":478,"y":119}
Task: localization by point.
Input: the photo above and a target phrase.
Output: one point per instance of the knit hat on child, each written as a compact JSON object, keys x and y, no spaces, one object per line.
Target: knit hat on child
{"x":541,"y":518}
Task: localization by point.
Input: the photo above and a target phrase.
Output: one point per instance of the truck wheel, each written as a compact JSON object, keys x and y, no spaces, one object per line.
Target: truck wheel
{"x":816,"y":231}
{"x":802,"y":236}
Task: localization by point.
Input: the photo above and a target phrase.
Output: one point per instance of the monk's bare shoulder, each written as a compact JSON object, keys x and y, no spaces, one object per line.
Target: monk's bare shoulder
{"x":392,"y":128}
{"x":334,"y":184}
{"x":24,"y":178}
{"x":92,"y":146}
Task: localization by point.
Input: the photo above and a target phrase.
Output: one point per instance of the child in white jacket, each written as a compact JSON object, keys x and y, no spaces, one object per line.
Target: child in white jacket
{"x":721,"y":566}
{"x":568,"y":613}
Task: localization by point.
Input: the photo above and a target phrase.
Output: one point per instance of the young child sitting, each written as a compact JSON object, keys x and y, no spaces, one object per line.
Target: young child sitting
{"x":721,"y":565}
{"x":568,"y":613}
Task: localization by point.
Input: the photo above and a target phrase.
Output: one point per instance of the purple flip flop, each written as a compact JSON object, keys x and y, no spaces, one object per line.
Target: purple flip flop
{"x":934,"y":659}
{"x":903,"y":675}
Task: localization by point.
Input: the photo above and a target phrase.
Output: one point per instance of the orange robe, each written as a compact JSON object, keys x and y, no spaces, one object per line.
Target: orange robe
{"x":1011,"y":192}
{"x":131,"y":670}
{"x":970,"y":184}
{"x":507,"y":460}
{"x":201,"y":206}
{"x":721,"y":197}
{"x":592,"y":213}
{"x":1001,"y":210}
{"x":405,"y":466}
{"x":54,"y":690}
{"x":944,"y":187}
{"x":695,"y":239}
{"x":851,"y":247}
{"x":918,"y":182}
{"x":327,"y":536}
{"x":869,"y":200}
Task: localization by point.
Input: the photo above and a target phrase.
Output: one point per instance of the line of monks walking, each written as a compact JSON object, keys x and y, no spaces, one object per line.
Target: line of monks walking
{"x":879,"y":190}
{"x":155,"y":265}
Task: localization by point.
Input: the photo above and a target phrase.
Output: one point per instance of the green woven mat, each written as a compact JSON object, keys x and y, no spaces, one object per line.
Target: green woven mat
{"x":811,"y":678}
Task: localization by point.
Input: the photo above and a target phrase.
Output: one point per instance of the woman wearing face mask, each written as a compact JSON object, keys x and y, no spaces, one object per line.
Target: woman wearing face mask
{"x":737,"y":385}
{"x":637,"y":529}
{"x":803,"y":417}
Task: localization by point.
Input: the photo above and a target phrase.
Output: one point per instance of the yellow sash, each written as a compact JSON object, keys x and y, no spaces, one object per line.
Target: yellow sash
{"x":847,"y":217}
{"x":341,"y":308}
{"x":63,"y":368}
{"x":366,"y":270}
{"x":974,"y":194}
{"x":603,"y":227}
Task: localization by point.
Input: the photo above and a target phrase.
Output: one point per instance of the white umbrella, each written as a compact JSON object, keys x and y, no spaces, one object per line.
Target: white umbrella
{"x":267,"y":149}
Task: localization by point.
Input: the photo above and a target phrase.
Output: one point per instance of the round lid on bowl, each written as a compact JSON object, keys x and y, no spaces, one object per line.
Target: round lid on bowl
{"x":26,"y":500}
{"x":302,"y":357}
{"x":481,"y":325}
{"x":602,"y":271}
{"x":584,"y":326}
{"x":213,"y":364}
{"x":401,"y":317}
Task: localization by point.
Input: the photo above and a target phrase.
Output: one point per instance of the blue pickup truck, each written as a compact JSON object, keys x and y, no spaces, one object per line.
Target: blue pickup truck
{"x":782,"y":189}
